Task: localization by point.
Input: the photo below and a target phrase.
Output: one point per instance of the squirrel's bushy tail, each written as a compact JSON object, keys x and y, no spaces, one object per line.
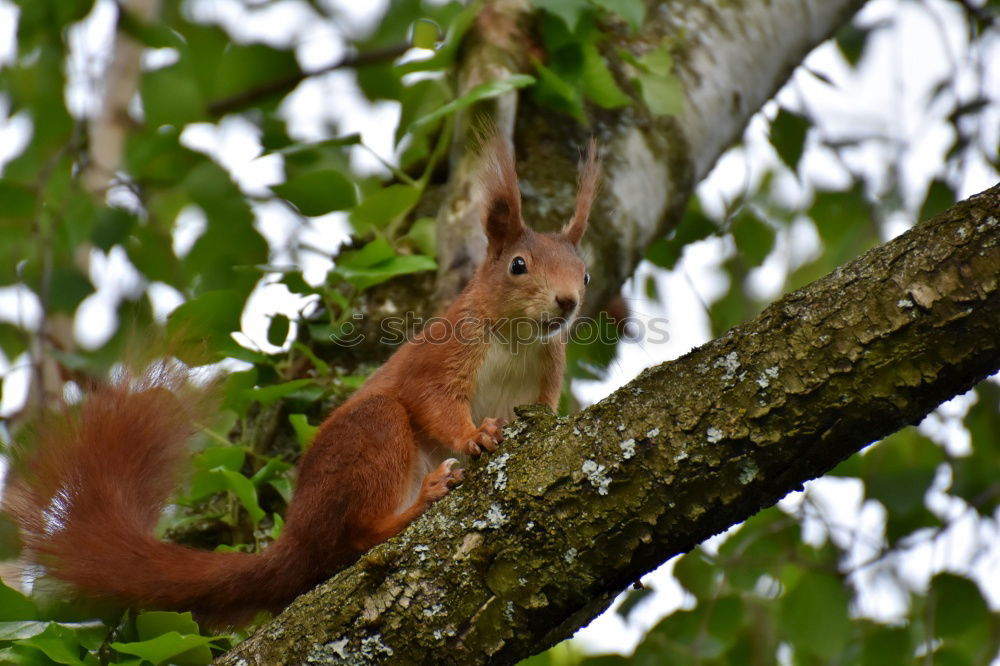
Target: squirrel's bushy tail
{"x":88,"y":494}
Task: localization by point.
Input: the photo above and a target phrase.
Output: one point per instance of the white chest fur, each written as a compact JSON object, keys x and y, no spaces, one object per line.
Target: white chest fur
{"x":508,"y":377}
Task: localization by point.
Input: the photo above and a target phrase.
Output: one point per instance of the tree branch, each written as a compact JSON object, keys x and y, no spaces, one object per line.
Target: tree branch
{"x":547,"y":531}
{"x":286,"y":84}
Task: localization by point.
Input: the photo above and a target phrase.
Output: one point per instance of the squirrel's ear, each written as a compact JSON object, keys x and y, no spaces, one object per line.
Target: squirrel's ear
{"x":589,"y":179}
{"x":501,"y":196}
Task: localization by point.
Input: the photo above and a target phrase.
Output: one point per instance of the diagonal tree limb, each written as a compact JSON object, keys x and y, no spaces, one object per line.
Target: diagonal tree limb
{"x":548,"y":530}
{"x":245,"y":98}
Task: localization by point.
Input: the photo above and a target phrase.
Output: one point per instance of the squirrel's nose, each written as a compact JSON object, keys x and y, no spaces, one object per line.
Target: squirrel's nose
{"x":566,"y":303}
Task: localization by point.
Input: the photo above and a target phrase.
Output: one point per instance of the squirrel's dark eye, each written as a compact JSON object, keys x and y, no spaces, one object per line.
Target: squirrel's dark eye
{"x":518,"y":266}
{"x":586,"y":278}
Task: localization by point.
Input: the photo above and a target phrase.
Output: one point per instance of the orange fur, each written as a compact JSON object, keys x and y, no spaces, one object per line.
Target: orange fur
{"x":89,"y":496}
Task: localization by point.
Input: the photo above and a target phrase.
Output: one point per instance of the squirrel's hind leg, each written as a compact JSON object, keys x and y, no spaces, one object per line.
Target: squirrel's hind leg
{"x":435,"y":486}
{"x":377,"y":459}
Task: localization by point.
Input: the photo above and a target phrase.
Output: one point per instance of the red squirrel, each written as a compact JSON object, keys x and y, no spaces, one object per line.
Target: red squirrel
{"x":93,"y":488}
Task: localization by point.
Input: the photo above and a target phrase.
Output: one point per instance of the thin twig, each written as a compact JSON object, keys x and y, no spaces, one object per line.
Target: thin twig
{"x":247,"y":97}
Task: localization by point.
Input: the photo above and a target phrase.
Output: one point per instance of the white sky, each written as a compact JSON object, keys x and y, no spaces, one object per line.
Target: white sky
{"x":887,"y":97}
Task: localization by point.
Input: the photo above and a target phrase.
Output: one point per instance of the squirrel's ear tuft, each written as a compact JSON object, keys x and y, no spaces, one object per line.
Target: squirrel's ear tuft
{"x":500,"y":195}
{"x":589,"y":181}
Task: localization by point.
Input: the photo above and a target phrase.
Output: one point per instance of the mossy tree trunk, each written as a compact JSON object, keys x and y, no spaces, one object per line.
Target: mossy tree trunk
{"x":571,"y":510}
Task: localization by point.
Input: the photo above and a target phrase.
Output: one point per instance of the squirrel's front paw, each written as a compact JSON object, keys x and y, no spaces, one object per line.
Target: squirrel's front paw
{"x":437,"y":484}
{"x":486,"y":438}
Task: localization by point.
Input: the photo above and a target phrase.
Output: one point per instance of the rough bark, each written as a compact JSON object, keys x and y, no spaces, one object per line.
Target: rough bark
{"x":549,"y":529}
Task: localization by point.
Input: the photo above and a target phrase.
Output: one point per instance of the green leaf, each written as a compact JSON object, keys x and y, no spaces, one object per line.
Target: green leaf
{"x":112,"y":226}
{"x":950,"y":656}
{"x":788,"y":136}
{"x":284,"y":487}
{"x":762,"y":545}
{"x":726,"y":618}
{"x":157,"y":154}
{"x":444,"y":56}
{"x":814,"y":615}
{"x":598,"y":83}
{"x":754,"y":237}
{"x":632,"y":599}
{"x":277,"y":330}
{"x":170,"y":96}
{"x":236,"y":388}
{"x":60,"y":647}
{"x":974,"y":477}
{"x":14,"y":607}
{"x":209,"y":465}
{"x":13,"y":341}
{"x":694,"y":226}
{"x":268,"y":394}
{"x":939,"y":198}
{"x":150,"y":624}
{"x":660,"y":88}
{"x":296,"y":283}
{"x":12,"y":630}
{"x":426,"y":34}
{"x":204,"y":483}
{"x":483,"y":91}
{"x":957,"y":604}
{"x":843,"y":222}
{"x":423,"y":236}
{"x":318,"y":192}
{"x":230,"y":240}
{"x":366,"y":277}
{"x":417,"y":100}
{"x":374,"y":252}
{"x":245,"y":66}
{"x":18,"y":201}
{"x":887,"y":645}
{"x":633,"y":11}
{"x":304,"y":432}
{"x":569,"y":11}
{"x":166,"y":647}
{"x":384,"y":206}
{"x":897,"y":472}
{"x":321,"y":366}
{"x":67,"y":288}
{"x":852,"y":41}
{"x":677,"y":638}
{"x":275,"y":468}
{"x":212,"y":188}
{"x":379,"y":80}
{"x":245,"y":491}
{"x":278,"y":526}
{"x":224,"y":457}
{"x":696,"y":574}
{"x":553,"y":91}
{"x":211,"y":318}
